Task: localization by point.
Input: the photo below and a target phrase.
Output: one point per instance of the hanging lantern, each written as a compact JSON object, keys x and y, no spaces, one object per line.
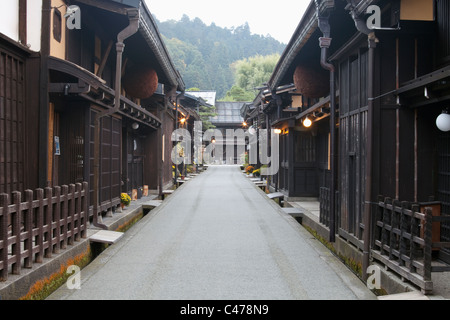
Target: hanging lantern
{"x":140,"y":82}
{"x":307,"y":122}
{"x":443,"y":121}
{"x":311,"y":82}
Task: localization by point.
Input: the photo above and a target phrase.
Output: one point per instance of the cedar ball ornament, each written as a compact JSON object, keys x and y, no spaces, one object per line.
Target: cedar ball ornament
{"x":312,"y":82}
{"x":140,"y":82}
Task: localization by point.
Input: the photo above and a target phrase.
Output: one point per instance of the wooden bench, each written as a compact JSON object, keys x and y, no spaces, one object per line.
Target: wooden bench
{"x":277,"y":195}
{"x":294,"y":212}
{"x":152,"y":204}
{"x":106,"y":236}
{"x":261,"y":184}
{"x":165,"y":193}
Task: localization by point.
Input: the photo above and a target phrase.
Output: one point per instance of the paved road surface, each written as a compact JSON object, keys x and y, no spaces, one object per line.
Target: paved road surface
{"x":217,"y":238}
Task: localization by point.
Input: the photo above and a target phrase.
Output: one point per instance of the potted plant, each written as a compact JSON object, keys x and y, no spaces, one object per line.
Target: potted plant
{"x":249,"y":169}
{"x":125,"y":200}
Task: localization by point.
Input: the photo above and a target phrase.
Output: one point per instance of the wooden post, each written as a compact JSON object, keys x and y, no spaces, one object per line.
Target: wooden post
{"x":79,"y":210}
{"x":4,"y":237}
{"x":57,"y":219}
{"x":85,"y":204}
{"x":378,"y":217}
{"x":28,"y":228}
{"x":15,"y":220}
{"x":428,"y":227}
{"x":40,"y":225}
{"x":414,"y":233}
{"x":71,"y":216}
{"x":403,"y":225}
{"x":64,"y":212}
{"x":384,"y":232}
{"x":394,"y":225}
{"x":48,"y":222}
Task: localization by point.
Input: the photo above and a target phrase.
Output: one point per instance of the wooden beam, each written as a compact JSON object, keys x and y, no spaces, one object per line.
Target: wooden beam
{"x":74,"y":88}
{"x":104,"y":59}
{"x":44,"y":98}
{"x":23,"y":22}
{"x":105,"y":5}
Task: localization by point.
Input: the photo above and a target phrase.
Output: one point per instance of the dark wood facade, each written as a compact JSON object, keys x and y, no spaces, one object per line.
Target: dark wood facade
{"x":19,"y":72}
{"x":390,"y":86}
{"x":129,"y":138}
{"x":12,"y":115}
{"x":53,"y":102}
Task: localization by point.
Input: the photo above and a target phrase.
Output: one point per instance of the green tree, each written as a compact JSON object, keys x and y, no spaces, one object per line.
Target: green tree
{"x":236,"y":94}
{"x":251,"y":73}
{"x":203,"y":54}
{"x":254,"y":71}
{"x":206,"y":113}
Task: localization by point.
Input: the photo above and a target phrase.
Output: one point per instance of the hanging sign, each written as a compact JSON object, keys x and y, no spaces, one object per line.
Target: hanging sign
{"x":57,"y":148}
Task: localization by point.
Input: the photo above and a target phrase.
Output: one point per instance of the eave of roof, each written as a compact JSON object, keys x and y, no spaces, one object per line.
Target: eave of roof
{"x":308,"y":24}
{"x":149,"y":31}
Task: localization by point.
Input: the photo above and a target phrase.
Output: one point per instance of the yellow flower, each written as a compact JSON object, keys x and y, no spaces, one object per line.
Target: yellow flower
{"x":125,"y":199}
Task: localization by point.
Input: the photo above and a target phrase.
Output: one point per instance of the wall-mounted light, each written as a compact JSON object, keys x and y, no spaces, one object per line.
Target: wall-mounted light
{"x":135,"y":126}
{"x":244,"y":124}
{"x":213,"y":140}
{"x":182,"y":120}
{"x":307,"y":122}
{"x":277,"y":131}
{"x":425,"y":93}
{"x":443,"y":121}
{"x":66,"y":89}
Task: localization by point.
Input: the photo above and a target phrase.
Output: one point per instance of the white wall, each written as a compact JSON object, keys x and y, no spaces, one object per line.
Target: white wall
{"x":9,"y":18}
{"x":9,"y":21}
{"x":34,"y":15}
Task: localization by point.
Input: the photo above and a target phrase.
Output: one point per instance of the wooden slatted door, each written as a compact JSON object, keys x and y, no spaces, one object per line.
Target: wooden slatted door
{"x":133,"y":167}
{"x":284,"y":163}
{"x":110,"y":159}
{"x":12,"y":88}
{"x":352,"y":143}
{"x":305,"y":159}
{"x":71,"y":151}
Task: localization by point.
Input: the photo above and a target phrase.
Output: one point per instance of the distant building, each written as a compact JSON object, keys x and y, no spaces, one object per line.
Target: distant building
{"x":229,"y":117}
{"x":208,"y":96}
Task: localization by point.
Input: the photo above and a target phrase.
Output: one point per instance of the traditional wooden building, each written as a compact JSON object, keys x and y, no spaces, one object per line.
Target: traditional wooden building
{"x":110,"y":84}
{"x":89,"y":101}
{"x":227,"y":121}
{"x":19,"y":95}
{"x":370,"y":78}
{"x":188,"y":118}
{"x":297,"y":104}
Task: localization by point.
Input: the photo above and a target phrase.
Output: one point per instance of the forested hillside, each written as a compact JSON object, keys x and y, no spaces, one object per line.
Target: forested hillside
{"x":204,"y":54}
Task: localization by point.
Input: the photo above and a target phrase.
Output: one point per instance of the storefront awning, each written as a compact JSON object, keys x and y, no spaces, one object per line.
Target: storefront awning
{"x":76,"y":81}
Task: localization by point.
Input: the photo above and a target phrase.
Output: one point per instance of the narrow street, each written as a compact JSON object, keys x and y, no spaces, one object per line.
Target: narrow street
{"x":217,"y":237}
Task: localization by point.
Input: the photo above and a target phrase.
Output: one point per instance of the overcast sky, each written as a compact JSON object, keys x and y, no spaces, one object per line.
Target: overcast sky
{"x":277,"y":18}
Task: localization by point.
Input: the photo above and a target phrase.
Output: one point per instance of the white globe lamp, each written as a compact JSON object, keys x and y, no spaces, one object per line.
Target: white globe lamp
{"x":443,"y":121}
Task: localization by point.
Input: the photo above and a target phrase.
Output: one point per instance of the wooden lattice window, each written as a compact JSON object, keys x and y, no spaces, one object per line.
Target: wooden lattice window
{"x":11,"y":123}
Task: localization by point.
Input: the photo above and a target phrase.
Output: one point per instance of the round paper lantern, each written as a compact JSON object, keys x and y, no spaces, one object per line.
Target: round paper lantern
{"x":312,"y":82}
{"x":140,"y":82}
{"x":443,"y":122}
